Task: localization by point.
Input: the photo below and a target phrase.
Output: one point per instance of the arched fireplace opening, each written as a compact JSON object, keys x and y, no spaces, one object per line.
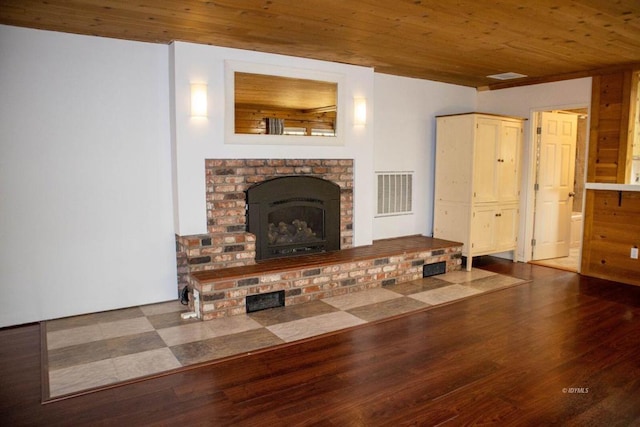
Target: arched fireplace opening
{"x":294,"y":215}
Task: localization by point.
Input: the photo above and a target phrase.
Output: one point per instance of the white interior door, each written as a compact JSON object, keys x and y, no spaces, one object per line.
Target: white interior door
{"x":555,"y":180}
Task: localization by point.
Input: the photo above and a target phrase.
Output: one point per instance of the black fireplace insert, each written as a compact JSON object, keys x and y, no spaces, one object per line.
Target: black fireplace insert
{"x":294,"y":215}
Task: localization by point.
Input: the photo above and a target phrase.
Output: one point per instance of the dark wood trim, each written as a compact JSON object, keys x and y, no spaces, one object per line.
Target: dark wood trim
{"x":379,"y":248}
{"x":559,"y":77}
{"x":594,"y":120}
{"x":587,"y":232}
{"x":623,"y":157}
{"x":44,"y":361}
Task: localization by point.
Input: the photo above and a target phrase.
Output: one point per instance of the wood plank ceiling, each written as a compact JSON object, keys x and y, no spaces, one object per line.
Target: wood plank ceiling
{"x":453,"y":41}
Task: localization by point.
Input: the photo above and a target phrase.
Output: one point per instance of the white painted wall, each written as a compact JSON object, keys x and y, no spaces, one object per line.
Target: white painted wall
{"x":197,"y":139}
{"x":524,"y":102}
{"x":85,"y":175}
{"x":404,"y":134}
{"x":87,"y":153}
{"x":520,"y":101}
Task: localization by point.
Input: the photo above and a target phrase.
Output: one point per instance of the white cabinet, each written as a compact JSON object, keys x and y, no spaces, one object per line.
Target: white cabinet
{"x":477,"y":183}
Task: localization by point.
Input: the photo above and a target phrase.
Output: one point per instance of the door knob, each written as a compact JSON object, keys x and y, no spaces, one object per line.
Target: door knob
{"x":572,"y":194}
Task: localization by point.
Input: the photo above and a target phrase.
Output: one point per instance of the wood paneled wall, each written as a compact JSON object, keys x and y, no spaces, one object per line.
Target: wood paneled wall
{"x":611,"y":218}
{"x":610,"y":102}
{"x":611,"y":230}
{"x":581,"y":160}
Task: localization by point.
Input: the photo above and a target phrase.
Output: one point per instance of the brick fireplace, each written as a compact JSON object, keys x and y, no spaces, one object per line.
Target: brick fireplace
{"x":227,"y":242}
{"x":221,"y":264}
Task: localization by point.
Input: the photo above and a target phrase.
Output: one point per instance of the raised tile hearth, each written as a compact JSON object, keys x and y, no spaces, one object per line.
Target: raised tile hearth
{"x":92,"y":351}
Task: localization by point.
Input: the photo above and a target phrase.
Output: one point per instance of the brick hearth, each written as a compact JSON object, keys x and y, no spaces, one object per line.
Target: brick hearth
{"x":223,"y":292}
{"x":221,"y":264}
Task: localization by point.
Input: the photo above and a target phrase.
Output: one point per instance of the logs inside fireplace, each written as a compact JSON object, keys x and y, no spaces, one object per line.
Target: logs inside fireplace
{"x":294,"y":215}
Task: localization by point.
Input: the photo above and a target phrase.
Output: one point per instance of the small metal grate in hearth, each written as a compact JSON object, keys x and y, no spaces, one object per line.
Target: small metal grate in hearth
{"x":433,"y":269}
{"x":264,"y":301}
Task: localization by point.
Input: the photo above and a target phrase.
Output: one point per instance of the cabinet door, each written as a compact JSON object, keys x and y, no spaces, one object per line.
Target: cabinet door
{"x":454,"y":159}
{"x":483,"y":229}
{"x":451,"y":222}
{"x":508,"y":174}
{"x":485,"y":160}
{"x":507,"y":222}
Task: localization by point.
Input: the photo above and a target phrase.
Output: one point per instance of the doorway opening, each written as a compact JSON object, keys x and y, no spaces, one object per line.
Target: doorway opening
{"x":559,"y":165}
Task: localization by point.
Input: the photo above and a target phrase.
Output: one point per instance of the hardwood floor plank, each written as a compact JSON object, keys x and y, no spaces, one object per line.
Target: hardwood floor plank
{"x":503,"y":357}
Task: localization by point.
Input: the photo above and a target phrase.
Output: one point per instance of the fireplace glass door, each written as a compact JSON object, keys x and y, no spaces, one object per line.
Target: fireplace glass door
{"x":293,"y":227}
{"x":293,"y":216}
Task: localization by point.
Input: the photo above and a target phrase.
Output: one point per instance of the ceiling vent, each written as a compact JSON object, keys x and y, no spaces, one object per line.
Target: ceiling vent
{"x":507,"y":76}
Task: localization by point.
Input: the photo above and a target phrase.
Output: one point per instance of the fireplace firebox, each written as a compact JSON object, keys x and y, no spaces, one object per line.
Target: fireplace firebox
{"x":294,"y":215}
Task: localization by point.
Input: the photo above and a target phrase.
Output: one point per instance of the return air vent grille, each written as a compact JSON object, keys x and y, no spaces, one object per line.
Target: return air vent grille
{"x":429,"y":270}
{"x":264,"y":301}
{"x":395,"y":193}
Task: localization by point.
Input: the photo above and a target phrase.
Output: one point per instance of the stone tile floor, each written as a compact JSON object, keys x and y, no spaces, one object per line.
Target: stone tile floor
{"x":568,"y":263}
{"x":96,"y":350}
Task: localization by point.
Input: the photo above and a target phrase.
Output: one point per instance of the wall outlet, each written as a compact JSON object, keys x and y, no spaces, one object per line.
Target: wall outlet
{"x":634,"y":252}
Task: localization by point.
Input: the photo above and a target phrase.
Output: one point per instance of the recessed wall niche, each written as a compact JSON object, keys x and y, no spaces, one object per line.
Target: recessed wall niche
{"x":268,"y":104}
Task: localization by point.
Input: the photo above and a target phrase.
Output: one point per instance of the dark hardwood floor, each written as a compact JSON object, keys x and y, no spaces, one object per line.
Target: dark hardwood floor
{"x":562,"y":350}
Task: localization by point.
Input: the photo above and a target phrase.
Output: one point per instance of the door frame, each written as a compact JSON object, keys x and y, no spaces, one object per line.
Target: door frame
{"x":527,"y":199}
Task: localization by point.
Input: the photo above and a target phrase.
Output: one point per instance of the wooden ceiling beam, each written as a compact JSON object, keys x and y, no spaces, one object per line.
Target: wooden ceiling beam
{"x":560,"y":77}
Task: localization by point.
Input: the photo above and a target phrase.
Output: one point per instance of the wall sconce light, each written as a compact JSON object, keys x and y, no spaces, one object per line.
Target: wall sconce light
{"x":198,"y":100}
{"x":359,"y":111}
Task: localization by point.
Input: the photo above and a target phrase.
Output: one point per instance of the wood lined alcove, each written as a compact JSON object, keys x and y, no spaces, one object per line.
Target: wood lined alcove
{"x":306,"y":105}
{"x":611,"y":217}
{"x":610,"y":109}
